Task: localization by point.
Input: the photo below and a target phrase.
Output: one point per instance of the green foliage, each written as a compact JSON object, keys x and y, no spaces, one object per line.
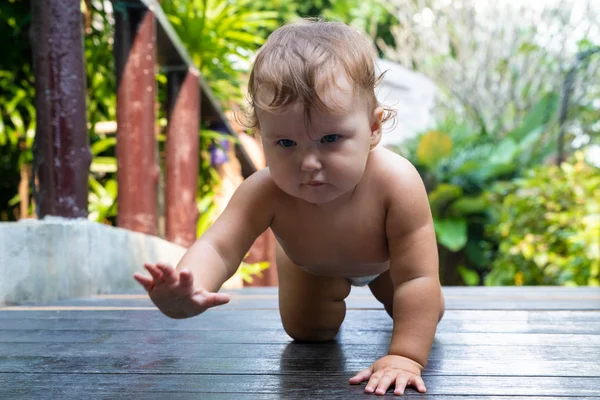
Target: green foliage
{"x":369,"y":16}
{"x":221,"y":36}
{"x":547,"y":225}
{"x":246,"y":271}
{"x":101,"y":106}
{"x":458,"y":165}
{"x":100,"y":67}
{"x":102,"y":199}
{"x":17,"y":103}
{"x":208,"y":180}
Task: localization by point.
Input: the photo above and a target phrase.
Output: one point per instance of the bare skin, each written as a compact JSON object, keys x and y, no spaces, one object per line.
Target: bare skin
{"x":340,"y":207}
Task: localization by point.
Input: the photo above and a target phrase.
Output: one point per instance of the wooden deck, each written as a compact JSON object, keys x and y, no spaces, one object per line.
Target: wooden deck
{"x":504,"y":343}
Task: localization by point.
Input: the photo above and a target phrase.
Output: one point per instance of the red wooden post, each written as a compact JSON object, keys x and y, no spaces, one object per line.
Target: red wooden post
{"x":62,"y":148}
{"x":182,"y":157}
{"x":138,"y":171}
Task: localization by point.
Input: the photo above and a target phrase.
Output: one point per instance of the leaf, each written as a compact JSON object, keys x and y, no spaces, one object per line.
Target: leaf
{"x":527,"y":47}
{"x":476,"y":253}
{"x":467,"y":167}
{"x":246,"y":270}
{"x":104,"y":164}
{"x":470,"y":205}
{"x":15,"y":200}
{"x":504,"y":152}
{"x":451,"y":232}
{"x":469,"y":276}
{"x":433,"y":147}
{"x":442,"y":195}
{"x":103,"y":145}
{"x":206,"y":219}
{"x":492,"y":171}
{"x":538,"y":116}
{"x":2,"y":133}
{"x":111,"y":188}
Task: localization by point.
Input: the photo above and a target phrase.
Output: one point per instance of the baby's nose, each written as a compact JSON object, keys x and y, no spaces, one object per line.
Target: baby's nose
{"x":310,"y":162}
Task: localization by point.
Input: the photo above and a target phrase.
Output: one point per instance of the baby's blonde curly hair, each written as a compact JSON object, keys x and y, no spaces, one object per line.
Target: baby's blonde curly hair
{"x":299,"y":62}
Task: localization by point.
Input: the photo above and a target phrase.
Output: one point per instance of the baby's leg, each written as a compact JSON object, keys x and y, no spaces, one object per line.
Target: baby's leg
{"x":383,"y":290}
{"x":312,"y":307}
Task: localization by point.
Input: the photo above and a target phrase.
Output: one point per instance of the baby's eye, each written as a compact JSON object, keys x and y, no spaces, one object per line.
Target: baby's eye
{"x":330,"y":138}
{"x":286,"y":143}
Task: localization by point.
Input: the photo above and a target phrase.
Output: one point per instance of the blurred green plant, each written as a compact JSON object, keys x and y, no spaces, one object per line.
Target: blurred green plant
{"x":492,"y":64}
{"x":547,"y":224}
{"x":248,"y":271}
{"x":17,"y":104}
{"x":221,"y":36}
{"x":208,"y":180}
{"x":458,"y":165}
{"x":101,"y":107}
{"x":17,"y":131}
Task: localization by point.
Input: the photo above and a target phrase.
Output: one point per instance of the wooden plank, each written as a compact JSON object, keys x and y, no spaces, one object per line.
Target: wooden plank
{"x":147,"y":363}
{"x":310,"y":351}
{"x":481,"y":349}
{"x":306,"y":386}
{"x":346,"y":336}
{"x":268,"y":320}
{"x":118,"y":314}
{"x":462,"y":298}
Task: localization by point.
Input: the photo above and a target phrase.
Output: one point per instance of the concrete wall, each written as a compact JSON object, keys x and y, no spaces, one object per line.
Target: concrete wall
{"x":413,"y":97}
{"x":43,"y":261}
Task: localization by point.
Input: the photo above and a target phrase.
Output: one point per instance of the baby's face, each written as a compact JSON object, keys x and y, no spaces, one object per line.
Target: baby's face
{"x":325,"y":159}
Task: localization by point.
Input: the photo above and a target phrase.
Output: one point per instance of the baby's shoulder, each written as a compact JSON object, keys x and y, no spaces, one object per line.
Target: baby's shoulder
{"x":391,"y":170}
{"x":261,"y":184}
{"x":395,"y":179}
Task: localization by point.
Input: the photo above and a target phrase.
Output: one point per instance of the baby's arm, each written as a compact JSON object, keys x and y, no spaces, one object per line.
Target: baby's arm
{"x":413,"y":269}
{"x":216,"y":255}
{"x":417,"y":291}
{"x":213,"y":258}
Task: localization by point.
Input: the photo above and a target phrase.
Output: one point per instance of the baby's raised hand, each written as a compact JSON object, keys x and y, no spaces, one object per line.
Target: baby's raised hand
{"x":401,"y":371}
{"x":174,"y":294}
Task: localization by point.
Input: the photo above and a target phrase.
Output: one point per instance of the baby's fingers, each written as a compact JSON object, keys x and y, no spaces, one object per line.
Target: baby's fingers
{"x":417,"y":382}
{"x":217,"y":299}
{"x":169,"y":274}
{"x":146,"y":282}
{"x":205,"y":300}
{"x":186,"y":279}
{"x":156,"y":273}
{"x":361,"y":376}
{"x":401,"y":383}
{"x":384,"y":383}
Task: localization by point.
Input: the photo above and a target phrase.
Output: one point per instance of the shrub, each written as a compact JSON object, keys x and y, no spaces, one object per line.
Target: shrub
{"x":547,"y":225}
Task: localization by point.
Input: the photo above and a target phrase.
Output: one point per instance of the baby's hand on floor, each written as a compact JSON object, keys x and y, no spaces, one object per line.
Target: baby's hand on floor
{"x":174,"y":294}
{"x":388,"y":370}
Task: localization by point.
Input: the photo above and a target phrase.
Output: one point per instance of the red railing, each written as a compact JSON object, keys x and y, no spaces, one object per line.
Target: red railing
{"x":144,"y":41}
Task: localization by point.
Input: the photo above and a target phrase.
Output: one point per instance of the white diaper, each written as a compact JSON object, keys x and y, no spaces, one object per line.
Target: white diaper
{"x":362,"y":280}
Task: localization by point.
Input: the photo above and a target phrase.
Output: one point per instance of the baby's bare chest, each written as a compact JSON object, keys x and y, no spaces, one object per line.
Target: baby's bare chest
{"x":347,"y":237}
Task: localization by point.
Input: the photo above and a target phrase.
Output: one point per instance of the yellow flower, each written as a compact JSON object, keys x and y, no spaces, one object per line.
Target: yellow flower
{"x":519,"y":278}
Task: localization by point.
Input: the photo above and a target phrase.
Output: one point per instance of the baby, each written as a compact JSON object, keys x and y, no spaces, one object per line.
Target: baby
{"x":344,"y":211}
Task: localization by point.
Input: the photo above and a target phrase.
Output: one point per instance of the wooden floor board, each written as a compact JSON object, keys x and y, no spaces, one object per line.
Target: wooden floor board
{"x":270,"y":320}
{"x":288,"y":385}
{"x":493,"y":343}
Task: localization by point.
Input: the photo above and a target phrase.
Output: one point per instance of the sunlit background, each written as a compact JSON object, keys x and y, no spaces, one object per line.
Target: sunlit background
{"x":498,"y":107}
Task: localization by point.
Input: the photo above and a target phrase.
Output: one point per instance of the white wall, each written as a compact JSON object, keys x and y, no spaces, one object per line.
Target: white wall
{"x":411,"y":94}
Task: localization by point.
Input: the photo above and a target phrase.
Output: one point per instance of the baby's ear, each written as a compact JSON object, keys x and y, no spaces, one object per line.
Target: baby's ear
{"x":376,"y":124}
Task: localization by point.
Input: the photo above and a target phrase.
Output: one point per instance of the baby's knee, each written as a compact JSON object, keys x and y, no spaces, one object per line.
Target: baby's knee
{"x":314,"y":322}
{"x":306,"y":334}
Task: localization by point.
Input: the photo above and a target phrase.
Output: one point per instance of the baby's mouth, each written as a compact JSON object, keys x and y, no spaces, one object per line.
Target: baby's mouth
{"x":314,"y":183}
